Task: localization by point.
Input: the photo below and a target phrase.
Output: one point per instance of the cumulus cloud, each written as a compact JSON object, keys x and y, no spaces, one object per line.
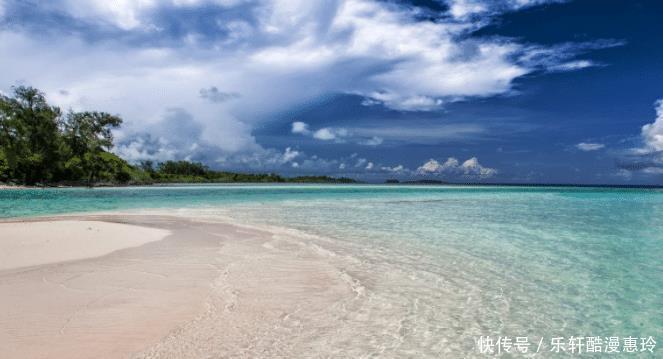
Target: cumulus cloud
{"x":433,"y":166}
{"x":394,"y":169}
{"x":469,"y":168}
{"x":290,"y":154}
{"x":473,"y":168}
{"x":176,"y":135}
{"x":648,"y":158}
{"x":652,"y":133}
{"x":329,"y":134}
{"x":586,"y":146}
{"x":299,"y":127}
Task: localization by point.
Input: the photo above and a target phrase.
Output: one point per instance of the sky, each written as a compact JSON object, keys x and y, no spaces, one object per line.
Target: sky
{"x":500,"y":91}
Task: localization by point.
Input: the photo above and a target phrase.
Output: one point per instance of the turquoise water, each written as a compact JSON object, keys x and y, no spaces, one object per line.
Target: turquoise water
{"x":438,"y":266}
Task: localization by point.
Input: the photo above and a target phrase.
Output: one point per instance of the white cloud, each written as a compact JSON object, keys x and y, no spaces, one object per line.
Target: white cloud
{"x":572,"y":65}
{"x":472,"y":167}
{"x":336,"y":134}
{"x":431,"y":166}
{"x":648,"y":158}
{"x":128,"y":14}
{"x":652,"y":133}
{"x":300,"y":128}
{"x":469,"y":168}
{"x":585,"y":146}
{"x":139,"y":149}
{"x":373,"y":141}
{"x":463,"y":9}
{"x":328,"y":134}
{"x":405,"y":103}
{"x":563,"y":57}
{"x":290,"y":154}
{"x":369,"y":166}
{"x":395,"y":169}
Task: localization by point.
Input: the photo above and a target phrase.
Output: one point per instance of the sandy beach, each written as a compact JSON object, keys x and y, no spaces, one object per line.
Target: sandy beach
{"x":36,"y":243}
{"x":155,"y":286}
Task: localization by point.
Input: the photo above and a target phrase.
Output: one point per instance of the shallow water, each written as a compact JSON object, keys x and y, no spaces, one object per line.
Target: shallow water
{"x":435,"y":267}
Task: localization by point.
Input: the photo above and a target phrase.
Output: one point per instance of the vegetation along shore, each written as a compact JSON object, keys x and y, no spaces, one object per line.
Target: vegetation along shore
{"x":42,"y":146}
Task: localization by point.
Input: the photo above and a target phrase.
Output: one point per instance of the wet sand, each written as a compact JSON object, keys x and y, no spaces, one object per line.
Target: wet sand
{"x":169,"y":287}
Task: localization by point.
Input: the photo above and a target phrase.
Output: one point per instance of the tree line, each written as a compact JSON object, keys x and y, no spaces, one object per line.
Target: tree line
{"x":196,"y":172}
{"x":41,"y":145}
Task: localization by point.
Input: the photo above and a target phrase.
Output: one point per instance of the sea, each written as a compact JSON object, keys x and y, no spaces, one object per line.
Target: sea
{"x":448,"y":270}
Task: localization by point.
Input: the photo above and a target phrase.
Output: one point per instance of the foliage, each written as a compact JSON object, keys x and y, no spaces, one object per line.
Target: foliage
{"x":29,"y":137}
{"x":38,"y":145}
{"x":184,"y":171}
{"x":4,"y":167}
{"x":320,"y":179}
{"x":89,"y":137}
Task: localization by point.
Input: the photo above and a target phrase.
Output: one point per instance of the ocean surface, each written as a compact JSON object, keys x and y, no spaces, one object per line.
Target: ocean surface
{"x":437,"y":267}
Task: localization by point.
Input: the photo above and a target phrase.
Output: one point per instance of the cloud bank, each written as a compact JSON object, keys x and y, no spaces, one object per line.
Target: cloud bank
{"x":451,"y":167}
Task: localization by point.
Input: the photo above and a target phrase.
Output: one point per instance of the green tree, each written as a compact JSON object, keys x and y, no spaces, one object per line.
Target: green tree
{"x":183,"y":168}
{"x":89,"y":136}
{"x":4,"y":167}
{"x":29,"y":136}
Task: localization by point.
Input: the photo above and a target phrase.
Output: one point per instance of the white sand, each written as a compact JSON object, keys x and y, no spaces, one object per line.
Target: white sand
{"x":24,"y":244}
{"x":209,"y":290}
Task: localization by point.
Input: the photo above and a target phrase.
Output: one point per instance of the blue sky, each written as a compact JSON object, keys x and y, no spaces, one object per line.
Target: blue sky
{"x":544,"y":91}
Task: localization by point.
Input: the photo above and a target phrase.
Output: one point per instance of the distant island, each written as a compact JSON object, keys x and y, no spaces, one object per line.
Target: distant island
{"x":195,"y":172}
{"x":421,"y":181}
{"x":41,"y":146}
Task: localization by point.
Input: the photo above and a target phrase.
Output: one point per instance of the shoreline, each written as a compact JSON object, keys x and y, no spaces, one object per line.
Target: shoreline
{"x":381,"y":184}
{"x":202,"y":289}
